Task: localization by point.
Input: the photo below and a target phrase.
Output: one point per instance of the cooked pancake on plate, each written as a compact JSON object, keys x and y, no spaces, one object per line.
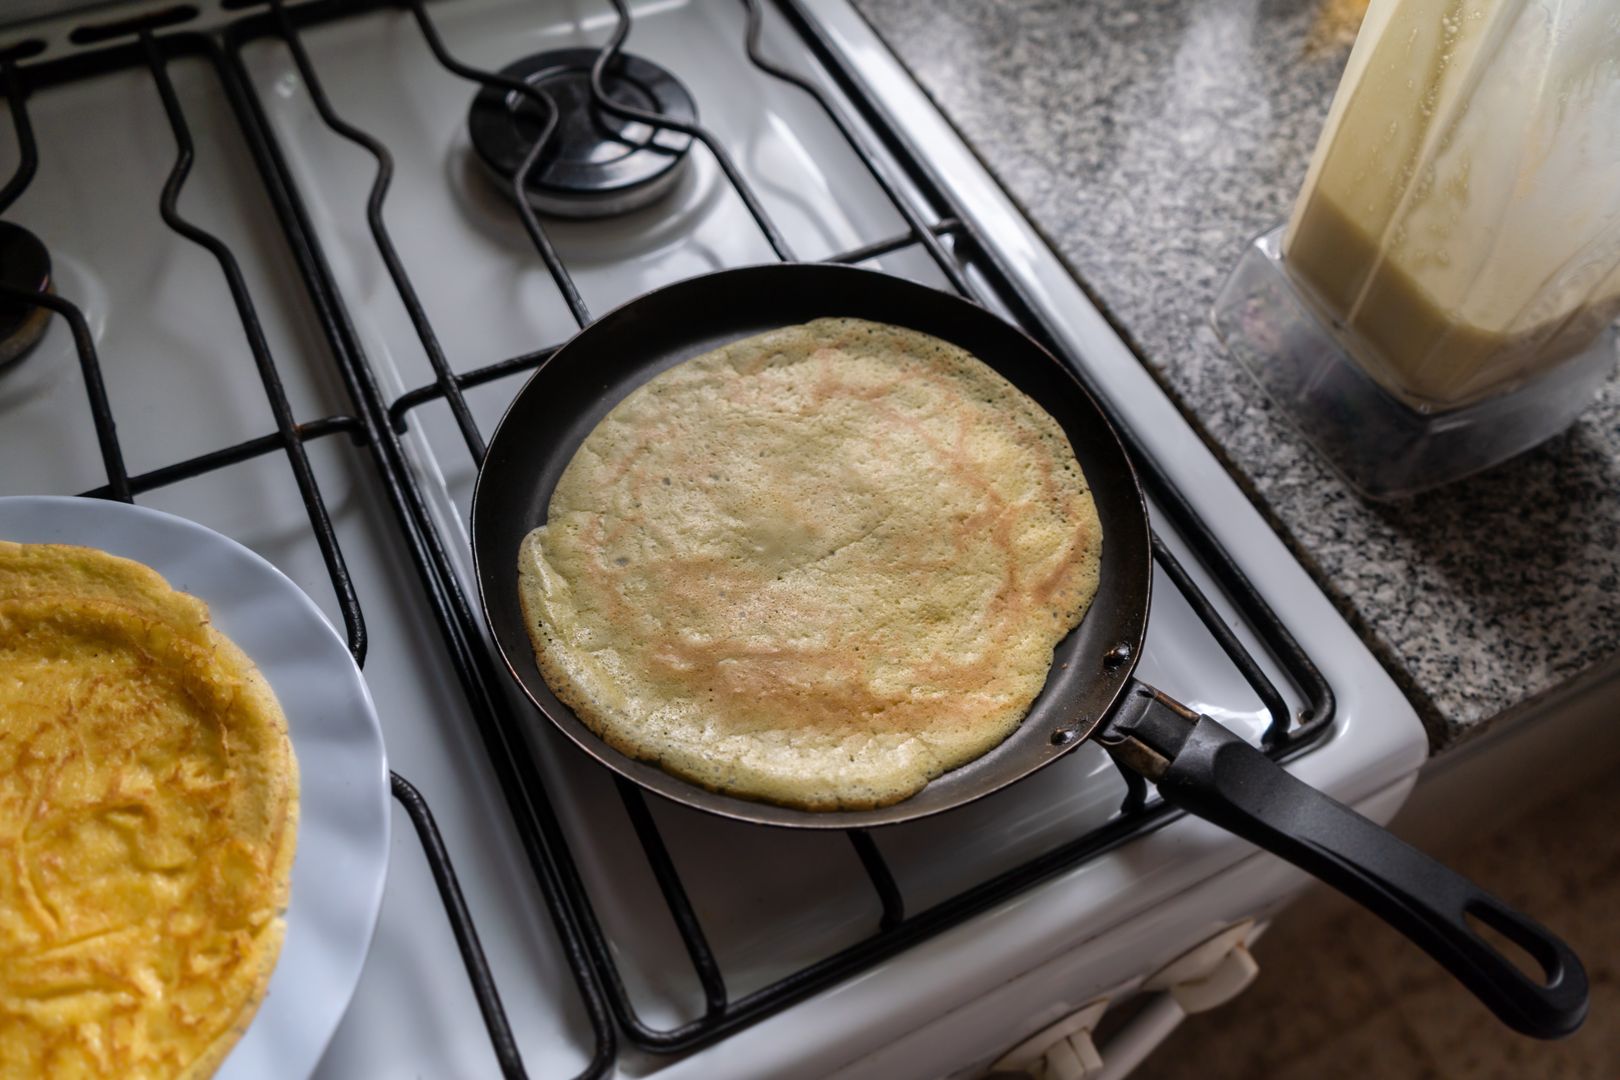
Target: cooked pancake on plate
{"x":817,"y":567}
{"x":148,"y":814}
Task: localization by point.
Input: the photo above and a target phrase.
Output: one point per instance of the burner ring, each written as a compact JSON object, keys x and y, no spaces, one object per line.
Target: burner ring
{"x":595,"y":163}
{"x":24,"y":265}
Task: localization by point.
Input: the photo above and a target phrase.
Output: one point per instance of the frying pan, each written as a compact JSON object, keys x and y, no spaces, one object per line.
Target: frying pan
{"x":1197,"y":764}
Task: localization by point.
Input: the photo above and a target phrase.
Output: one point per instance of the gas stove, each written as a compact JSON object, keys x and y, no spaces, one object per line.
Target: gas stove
{"x":387,"y":257}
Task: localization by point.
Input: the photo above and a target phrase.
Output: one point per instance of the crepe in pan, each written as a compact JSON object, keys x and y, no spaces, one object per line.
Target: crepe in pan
{"x":817,"y":567}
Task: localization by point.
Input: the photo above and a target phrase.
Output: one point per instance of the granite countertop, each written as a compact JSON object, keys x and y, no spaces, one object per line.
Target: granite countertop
{"x":1150,"y":141}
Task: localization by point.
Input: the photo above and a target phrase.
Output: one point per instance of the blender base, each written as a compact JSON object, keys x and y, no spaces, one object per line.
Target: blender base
{"x":1382,"y":446}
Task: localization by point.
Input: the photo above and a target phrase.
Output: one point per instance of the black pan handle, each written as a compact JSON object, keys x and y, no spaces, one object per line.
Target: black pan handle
{"x":1206,"y":769}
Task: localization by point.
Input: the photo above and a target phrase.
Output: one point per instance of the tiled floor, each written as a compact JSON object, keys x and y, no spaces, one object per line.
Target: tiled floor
{"x":1342,"y":995}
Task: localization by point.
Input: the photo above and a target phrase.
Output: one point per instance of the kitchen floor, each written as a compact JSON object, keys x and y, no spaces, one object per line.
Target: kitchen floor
{"x":1342,"y":995}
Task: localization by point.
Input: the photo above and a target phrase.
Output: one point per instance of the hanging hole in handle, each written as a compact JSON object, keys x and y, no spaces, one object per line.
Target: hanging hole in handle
{"x":1516,"y":944}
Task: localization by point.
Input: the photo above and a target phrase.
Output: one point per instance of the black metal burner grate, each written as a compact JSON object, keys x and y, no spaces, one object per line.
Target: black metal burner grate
{"x":592,"y":163}
{"x":25,"y":265}
{"x":938,"y":227}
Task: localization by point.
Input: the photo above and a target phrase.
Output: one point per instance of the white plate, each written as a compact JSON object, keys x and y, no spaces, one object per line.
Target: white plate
{"x":342,"y":857}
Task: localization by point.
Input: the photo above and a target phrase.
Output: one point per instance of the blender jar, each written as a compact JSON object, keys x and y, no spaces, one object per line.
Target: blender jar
{"x":1441,"y":297}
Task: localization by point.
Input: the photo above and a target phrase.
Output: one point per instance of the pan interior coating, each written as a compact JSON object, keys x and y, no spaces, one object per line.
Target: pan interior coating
{"x":817,"y":567}
{"x":148,"y":816}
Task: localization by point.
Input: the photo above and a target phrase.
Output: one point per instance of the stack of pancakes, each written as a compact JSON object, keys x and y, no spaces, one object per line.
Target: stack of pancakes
{"x":148,"y":813}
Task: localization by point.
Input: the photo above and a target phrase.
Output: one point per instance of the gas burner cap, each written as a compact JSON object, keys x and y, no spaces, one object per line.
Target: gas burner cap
{"x":595,"y":164}
{"x":25,"y":265}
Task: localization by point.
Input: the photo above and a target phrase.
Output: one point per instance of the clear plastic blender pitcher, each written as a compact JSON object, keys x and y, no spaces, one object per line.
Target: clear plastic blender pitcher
{"x":1441,"y":297}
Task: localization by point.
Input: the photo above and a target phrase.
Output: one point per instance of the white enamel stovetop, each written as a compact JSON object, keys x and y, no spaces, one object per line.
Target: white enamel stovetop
{"x":181,"y":383}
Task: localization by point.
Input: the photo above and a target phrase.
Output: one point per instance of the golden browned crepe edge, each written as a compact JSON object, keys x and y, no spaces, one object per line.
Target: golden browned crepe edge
{"x":262,"y":701}
{"x":99,"y":576}
{"x":551,"y":653}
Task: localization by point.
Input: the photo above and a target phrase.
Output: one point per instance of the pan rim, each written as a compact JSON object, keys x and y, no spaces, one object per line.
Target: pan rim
{"x":649,"y":776}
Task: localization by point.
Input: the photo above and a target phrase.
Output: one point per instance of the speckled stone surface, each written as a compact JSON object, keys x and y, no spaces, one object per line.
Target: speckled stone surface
{"x":1151,"y":141}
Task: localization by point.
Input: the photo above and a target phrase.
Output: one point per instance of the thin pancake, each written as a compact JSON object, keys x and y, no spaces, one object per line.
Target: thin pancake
{"x":817,"y":567}
{"x":148,"y":813}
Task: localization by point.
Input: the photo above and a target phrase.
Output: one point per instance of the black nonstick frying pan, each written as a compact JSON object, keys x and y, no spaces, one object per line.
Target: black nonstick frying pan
{"x":1197,"y":764}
